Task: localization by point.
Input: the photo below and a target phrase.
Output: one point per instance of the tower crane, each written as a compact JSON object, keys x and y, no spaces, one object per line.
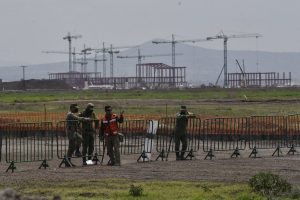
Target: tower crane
{"x":85,"y":52}
{"x":111,"y":51}
{"x":104,"y":60}
{"x":74,"y":53}
{"x":96,"y":60}
{"x":173,"y":42}
{"x":243,"y":82}
{"x":82,"y":63}
{"x":225,"y":38}
{"x":140,"y":56}
{"x":69,"y":37}
{"x":103,"y":50}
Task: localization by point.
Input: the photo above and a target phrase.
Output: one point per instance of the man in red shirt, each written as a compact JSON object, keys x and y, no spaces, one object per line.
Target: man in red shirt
{"x":109,"y":130}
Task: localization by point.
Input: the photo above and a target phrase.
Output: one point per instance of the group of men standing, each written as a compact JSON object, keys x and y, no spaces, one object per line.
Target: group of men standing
{"x":82,"y":128}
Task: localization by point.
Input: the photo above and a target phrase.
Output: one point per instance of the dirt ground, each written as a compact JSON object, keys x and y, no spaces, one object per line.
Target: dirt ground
{"x":221,"y":168}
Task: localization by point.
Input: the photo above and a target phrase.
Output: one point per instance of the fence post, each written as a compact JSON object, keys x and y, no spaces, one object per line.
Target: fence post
{"x":210,"y":154}
{"x":11,"y":167}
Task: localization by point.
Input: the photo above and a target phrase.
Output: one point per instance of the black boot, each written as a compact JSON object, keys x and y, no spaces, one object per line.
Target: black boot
{"x":84,"y":160}
{"x":177,"y":156}
{"x":111,"y":163}
{"x":68,"y":162}
{"x":77,"y":153}
{"x":182,"y":156}
{"x":71,"y":164}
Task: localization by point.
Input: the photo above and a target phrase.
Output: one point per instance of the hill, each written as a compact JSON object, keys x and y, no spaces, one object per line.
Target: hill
{"x":204,"y":65}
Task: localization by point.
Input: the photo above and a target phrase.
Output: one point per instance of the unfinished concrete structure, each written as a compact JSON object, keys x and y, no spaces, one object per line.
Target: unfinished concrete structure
{"x":148,"y":75}
{"x":159,"y":75}
{"x":258,"y":79}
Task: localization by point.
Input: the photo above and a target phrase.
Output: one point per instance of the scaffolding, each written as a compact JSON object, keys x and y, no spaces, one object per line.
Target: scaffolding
{"x":159,"y":75}
{"x":259,"y":79}
{"x":148,"y":75}
{"x":75,"y":79}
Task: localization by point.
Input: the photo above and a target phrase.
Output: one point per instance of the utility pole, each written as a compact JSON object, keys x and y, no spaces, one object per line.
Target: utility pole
{"x":69,"y":37}
{"x":24,"y":86}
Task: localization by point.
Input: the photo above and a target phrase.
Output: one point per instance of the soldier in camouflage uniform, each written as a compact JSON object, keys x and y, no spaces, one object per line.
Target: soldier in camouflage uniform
{"x":88,"y":132}
{"x":180,"y":133}
{"x":75,"y":138}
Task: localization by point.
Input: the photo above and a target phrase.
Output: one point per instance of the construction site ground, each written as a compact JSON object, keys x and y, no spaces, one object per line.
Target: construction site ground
{"x":221,"y":168}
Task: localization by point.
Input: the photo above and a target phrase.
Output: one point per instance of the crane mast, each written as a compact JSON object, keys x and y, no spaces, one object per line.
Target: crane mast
{"x":225,"y":38}
{"x":69,"y":38}
{"x":85,"y":52}
{"x":74,"y":53}
{"x":140,"y":56}
{"x":96,"y":60}
{"x":111,"y":51}
{"x":173,"y":43}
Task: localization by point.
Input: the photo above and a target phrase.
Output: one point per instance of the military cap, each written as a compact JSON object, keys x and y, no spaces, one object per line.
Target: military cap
{"x":74,"y":105}
{"x":107,"y":108}
{"x":90,"y":106}
{"x":183,"y":107}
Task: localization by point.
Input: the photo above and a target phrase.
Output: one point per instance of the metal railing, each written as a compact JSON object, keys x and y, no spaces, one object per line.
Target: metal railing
{"x":32,"y":142}
{"x":267,"y":132}
{"x":28,"y":142}
{"x":165,"y":136}
{"x":62,"y":140}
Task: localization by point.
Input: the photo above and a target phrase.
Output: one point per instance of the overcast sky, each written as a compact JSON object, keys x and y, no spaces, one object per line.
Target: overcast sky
{"x":31,"y":26}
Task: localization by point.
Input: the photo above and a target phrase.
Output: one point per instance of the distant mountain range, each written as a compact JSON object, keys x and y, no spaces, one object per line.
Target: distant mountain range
{"x":203,"y":65}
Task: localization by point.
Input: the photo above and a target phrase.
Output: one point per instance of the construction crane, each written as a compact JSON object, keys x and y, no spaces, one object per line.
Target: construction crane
{"x":104,"y":60}
{"x":173,"y":42}
{"x":69,"y":37}
{"x":74,"y":53}
{"x":85,"y":52}
{"x":225,"y":38}
{"x":82,"y":63}
{"x":96,"y":60}
{"x":104,"y":51}
{"x":242,"y":69}
{"x":140,"y":56}
{"x":111,"y":51}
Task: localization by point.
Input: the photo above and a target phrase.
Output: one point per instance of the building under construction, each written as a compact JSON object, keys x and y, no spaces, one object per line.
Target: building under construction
{"x":148,"y":75}
{"x":259,"y":79}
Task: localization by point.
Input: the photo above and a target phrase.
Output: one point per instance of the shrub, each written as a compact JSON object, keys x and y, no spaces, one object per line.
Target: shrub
{"x":295,"y":193}
{"x":269,"y":184}
{"x":136,"y":190}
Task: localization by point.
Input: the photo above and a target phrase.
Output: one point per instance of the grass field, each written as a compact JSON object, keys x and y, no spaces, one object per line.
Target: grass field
{"x":190,"y":94}
{"x":208,"y":102}
{"x":119,"y":189}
